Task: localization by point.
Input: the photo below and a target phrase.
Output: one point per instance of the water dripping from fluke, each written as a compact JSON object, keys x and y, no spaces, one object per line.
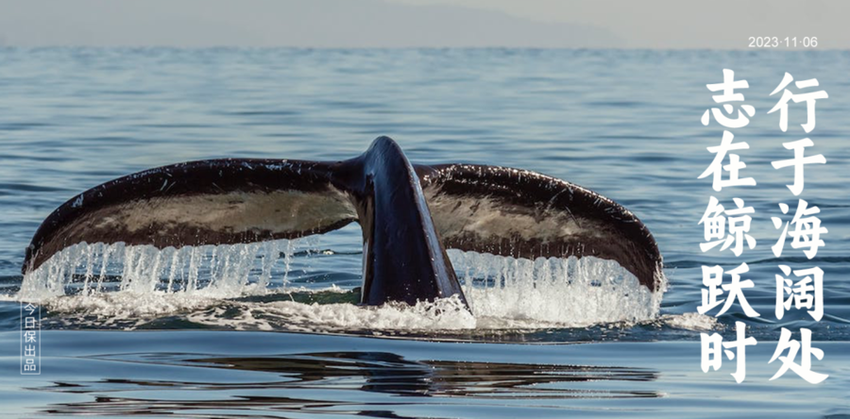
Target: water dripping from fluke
{"x":250,"y":287}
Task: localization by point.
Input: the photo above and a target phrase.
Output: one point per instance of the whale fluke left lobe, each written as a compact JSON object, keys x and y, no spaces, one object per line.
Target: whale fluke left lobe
{"x":223,"y":201}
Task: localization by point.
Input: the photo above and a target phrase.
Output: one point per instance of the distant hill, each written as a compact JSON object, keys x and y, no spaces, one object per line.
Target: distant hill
{"x":298,"y":23}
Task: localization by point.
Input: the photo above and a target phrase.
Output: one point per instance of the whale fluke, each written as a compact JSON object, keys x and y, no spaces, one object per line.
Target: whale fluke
{"x":523,"y":214}
{"x":408,"y":215}
{"x":225,"y":201}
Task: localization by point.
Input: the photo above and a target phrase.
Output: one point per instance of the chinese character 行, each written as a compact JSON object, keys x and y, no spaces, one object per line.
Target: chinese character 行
{"x":809,"y":98}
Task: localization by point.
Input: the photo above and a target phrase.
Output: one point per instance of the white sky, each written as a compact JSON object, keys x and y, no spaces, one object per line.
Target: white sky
{"x":721,"y":24}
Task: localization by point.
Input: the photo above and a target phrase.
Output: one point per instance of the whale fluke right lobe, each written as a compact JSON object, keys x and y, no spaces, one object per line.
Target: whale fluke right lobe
{"x":523,"y":214}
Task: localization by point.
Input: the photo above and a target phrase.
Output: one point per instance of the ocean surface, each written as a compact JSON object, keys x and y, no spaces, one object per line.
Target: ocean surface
{"x":269,"y":330}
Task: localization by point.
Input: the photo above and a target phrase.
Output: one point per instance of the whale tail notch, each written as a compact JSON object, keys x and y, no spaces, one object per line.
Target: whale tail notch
{"x":409,"y":216}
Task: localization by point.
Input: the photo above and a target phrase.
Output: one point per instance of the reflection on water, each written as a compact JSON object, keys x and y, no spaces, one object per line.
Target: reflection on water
{"x":289,"y":377}
{"x":184,"y":373}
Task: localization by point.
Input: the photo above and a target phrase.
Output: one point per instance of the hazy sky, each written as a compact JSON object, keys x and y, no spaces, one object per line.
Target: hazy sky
{"x":719,"y":24}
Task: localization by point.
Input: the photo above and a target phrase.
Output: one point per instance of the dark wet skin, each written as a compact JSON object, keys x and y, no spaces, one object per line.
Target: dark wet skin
{"x":409,"y":215}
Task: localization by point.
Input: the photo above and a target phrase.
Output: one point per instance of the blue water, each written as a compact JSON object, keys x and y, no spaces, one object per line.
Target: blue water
{"x":623,"y":123}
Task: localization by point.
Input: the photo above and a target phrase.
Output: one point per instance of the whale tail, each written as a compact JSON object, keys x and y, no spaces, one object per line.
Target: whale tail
{"x":409,"y":216}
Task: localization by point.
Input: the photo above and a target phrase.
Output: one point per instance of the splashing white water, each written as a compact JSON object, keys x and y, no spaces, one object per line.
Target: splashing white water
{"x":441,"y":315}
{"x":554,"y":291}
{"x":224,"y":271}
{"x":132,"y":285}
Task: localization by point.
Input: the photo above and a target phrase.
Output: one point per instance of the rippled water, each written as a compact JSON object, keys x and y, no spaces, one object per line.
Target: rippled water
{"x":623,"y":123}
